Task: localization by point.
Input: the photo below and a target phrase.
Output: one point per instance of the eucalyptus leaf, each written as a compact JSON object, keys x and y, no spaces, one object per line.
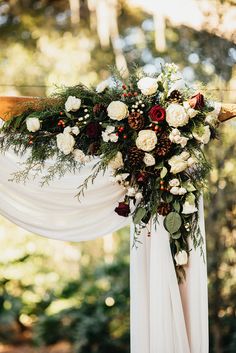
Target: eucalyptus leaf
{"x":176,"y":206}
{"x":176,"y":235}
{"x":163,"y":172}
{"x":172,"y":222}
{"x":139,"y":214}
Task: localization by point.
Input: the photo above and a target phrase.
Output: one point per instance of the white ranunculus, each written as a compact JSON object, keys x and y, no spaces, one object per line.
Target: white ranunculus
{"x":149,"y":160}
{"x":65,"y":143}
{"x":204,"y":136}
{"x":189,"y":208}
{"x":75,"y":130}
{"x":102,"y":86}
{"x":117,"y":110}
{"x":146,"y":140}
{"x":131,"y":191}
{"x":79,"y":155}
{"x":178,"y":164}
{"x":32,"y":124}
{"x":148,"y":85}
{"x":174,"y":190}
{"x":174,"y":182}
{"x":72,"y":104}
{"x":110,"y":129}
{"x":176,"y":115}
{"x":182,"y":191}
{"x":181,"y":258}
{"x":105,"y":136}
{"x":117,"y":161}
{"x":67,"y":130}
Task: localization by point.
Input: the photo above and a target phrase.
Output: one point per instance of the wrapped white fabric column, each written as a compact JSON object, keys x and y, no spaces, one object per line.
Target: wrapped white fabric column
{"x":166,"y":317}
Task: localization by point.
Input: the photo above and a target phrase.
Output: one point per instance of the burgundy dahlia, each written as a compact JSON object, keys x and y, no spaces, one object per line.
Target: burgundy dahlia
{"x":123,"y":209}
{"x":197,"y":101}
{"x":157,"y":114}
{"x":93,"y":130}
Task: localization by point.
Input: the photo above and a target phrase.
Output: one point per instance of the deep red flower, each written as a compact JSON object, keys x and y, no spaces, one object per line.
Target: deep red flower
{"x":197,"y":101}
{"x":157,"y":114}
{"x":142,"y":177}
{"x":123,"y":209}
{"x":93,"y":130}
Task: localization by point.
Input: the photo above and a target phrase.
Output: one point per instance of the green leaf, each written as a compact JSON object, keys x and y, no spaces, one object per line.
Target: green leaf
{"x":163,"y":172}
{"x":172,"y":222}
{"x":167,"y":197}
{"x":139,"y":214}
{"x":176,"y":206}
{"x":176,"y":235}
{"x":189,"y":186}
{"x":159,"y":165}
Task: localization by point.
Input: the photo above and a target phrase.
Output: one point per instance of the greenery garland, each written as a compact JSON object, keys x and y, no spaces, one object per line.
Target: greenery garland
{"x":148,"y":130}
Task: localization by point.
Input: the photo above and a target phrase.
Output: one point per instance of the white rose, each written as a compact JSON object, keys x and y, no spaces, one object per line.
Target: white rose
{"x":102,"y":86}
{"x":117,"y":161}
{"x":146,"y":140}
{"x":72,"y":104}
{"x":149,"y":160}
{"x":174,"y":182}
{"x":178,"y":164}
{"x":79,"y":155}
{"x":65,"y":143}
{"x":33,"y":124}
{"x":148,"y":85}
{"x":130,"y":192}
{"x":181,"y":258}
{"x":117,"y":110}
{"x":190,"y":111}
{"x":203,"y":137}
{"x":174,"y":190}
{"x":75,"y":130}
{"x":182,"y":191}
{"x":189,"y":208}
{"x":176,"y":115}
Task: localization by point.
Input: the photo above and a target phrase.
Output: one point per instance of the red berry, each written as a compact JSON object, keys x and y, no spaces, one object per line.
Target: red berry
{"x":122,"y":128}
{"x":125,"y":94}
{"x":135,"y":94}
{"x":125,"y":136}
{"x":124,"y":86}
{"x":130,"y":94}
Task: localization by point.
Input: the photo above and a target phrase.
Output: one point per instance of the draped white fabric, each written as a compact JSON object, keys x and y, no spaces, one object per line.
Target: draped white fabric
{"x":165,"y":318}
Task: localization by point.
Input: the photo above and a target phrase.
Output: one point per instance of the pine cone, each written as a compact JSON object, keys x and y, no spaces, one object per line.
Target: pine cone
{"x":136,"y":121}
{"x":163,"y":209}
{"x":135,"y":156}
{"x":175,"y":97}
{"x":163,"y":145}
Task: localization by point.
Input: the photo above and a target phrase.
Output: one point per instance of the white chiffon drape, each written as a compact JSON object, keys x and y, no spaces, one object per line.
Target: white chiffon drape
{"x":165,"y":317}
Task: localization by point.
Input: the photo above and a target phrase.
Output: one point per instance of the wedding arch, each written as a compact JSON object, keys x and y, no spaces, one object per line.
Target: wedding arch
{"x":123,"y":144}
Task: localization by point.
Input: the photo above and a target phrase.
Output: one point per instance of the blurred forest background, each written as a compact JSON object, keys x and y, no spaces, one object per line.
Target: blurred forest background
{"x":60,"y":297}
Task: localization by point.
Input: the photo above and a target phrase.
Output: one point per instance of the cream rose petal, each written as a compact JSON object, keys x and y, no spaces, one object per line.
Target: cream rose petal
{"x":146,"y":140}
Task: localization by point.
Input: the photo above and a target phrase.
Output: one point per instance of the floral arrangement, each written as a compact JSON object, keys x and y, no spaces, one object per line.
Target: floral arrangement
{"x":148,"y":130}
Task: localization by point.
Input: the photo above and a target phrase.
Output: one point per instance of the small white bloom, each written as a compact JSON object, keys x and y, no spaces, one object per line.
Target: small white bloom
{"x":174,"y":182}
{"x":131,"y":192}
{"x":189,"y":208}
{"x":79,"y":156}
{"x":33,"y":124}
{"x":183,"y":141}
{"x":105,"y":137}
{"x":174,"y":190}
{"x":176,"y":115}
{"x":181,"y":258}
{"x":75,"y":130}
{"x":204,"y":136}
{"x":72,"y":104}
{"x":185,"y":155}
{"x":191,"y":161}
{"x":177,"y":163}
{"x":146,"y":140}
{"x":102,"y":86}
{"x":113,"y":137}
{"x":192,"y":112}
{"x":138,"y":196}
{"x":149,"y":160}
{"x":182,"y":191}
{"x":117,"y":161}
{"x":67,"y":130}
{"x":178,"y":85}
{"x":110,"y":129}
{"x":117,"y":110}
{"x":65,"y":143}
{"x":148,"y":85}
{"x":212,"y":119}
